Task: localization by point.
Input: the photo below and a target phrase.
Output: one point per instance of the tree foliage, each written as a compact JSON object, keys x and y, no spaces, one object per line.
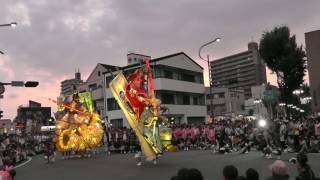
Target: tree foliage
{"x":282,"y":55}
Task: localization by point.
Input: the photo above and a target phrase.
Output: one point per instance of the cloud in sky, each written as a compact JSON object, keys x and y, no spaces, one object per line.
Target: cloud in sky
{"x":53,"y":38}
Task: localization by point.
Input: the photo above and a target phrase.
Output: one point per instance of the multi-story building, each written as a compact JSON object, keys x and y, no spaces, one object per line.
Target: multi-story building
{"x":313,"y":59}
{"x":70,"y":85}
{"x":31,"y":117}
{"x":254,"y":105}
{"x":178,"y":82}
{"x":6,"y":126}
{"x":239,"y":71}
{"x":94,"y":84}
{"x":134,"y":58}
{"x":225,"y":101}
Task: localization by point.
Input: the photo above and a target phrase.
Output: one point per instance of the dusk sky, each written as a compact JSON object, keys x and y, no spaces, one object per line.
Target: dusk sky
{"x":55,"y":37}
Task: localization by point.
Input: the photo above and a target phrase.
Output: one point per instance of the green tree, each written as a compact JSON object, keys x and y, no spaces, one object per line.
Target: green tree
{"x":285,"y":58}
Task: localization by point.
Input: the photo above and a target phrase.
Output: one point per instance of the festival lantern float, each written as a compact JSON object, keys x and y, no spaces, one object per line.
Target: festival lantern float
{"x":78,"y":126}
{"x":136,"y":98}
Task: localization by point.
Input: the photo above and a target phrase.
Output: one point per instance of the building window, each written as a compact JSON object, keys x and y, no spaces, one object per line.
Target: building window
{"x":99,"y":73}
{"x":108,"y":80}
{"x":187,"y":77}
{"x":167,"y":98}
{"x":168,"y":74}
{"x":185,"y":100}
{"x":195,"y":101}
{"x":208,"y":107}
{"x":221,"y":95}
{"x":116,"y":123}
{"x":208,"y":96}
{"x":112,"y":104}
{"x":92,"y":87}
{"x":219,"y":108}
{"x":201,"y":99}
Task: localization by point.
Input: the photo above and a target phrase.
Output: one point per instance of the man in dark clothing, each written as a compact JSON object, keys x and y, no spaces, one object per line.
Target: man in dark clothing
{"x":252,"y":174}
{"x":188,"y":174}
{"x":230,"y":172}
{"x":304,"y":170}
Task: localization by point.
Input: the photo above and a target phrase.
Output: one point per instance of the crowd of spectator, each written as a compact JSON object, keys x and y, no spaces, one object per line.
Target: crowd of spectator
{"x":14,"y":149}
{"x":121,"y":140}
{"x":279,"y":170}
{"x":231,"y":135}
{"x":240,"y":135}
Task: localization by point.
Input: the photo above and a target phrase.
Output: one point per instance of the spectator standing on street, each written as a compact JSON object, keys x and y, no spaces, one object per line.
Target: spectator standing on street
{"x":304,"y":170}
{"x":230,"y":172}
{"x":188,"y":174}
{"x":280,"y":171}
{"x":252,"y":174}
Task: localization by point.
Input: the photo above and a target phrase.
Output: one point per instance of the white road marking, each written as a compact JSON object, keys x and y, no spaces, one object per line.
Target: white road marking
{"x":22,"y":164}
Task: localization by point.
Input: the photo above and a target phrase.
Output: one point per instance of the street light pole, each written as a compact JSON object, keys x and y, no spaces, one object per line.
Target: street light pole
{"x":210,"y":87}
{"x":13,"y":24}
{"x":209,"y":72}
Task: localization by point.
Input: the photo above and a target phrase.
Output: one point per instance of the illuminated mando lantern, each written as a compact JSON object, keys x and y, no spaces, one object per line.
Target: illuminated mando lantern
{"x":78,"y":126}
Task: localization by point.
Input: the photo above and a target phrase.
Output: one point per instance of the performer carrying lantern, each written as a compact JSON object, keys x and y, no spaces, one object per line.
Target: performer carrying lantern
{"x":136,"y":97}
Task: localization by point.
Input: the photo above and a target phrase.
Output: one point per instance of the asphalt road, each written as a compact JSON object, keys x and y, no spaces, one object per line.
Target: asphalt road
{"x":123,"y":166}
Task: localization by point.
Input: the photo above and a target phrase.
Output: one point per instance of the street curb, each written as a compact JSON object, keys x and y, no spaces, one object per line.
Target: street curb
{"x":22,"y":164}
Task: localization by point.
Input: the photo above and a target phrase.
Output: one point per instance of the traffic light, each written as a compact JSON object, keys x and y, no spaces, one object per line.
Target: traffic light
{"x":31,"y":84}
{"x":1,"y":114}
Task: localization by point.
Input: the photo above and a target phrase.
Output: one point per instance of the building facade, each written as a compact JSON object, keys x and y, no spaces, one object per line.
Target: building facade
{"x":254,"y":105}
{"x":225,"y":101}
{"x":94,"y":84}
{"x":6,"y":127}
{"x":134,"y":58}
{"x":32,"y":117}
{"x":313,"y":60}
{"x":240,"y":71}
{"x":178,"y":82}
{"x":70,"y":85}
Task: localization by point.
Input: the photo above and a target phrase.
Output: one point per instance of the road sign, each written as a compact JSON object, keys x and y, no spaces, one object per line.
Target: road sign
{"x":2,"y":89}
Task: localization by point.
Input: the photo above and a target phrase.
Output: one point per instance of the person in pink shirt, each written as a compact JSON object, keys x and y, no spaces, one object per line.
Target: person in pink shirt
{"x":205,"y":131}
{"x":212,"y":135}
{"x":184,"y":133}
{"x":177,"y":133}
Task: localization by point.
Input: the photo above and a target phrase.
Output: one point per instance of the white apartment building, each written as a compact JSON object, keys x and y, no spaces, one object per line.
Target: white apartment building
{"x":178,"y":82}
{"x":94,"y":84}
{"x":240,"y":71}
{"x":68,"y":86}
{"x":225,"y":101}
{"x":255,"y":104}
